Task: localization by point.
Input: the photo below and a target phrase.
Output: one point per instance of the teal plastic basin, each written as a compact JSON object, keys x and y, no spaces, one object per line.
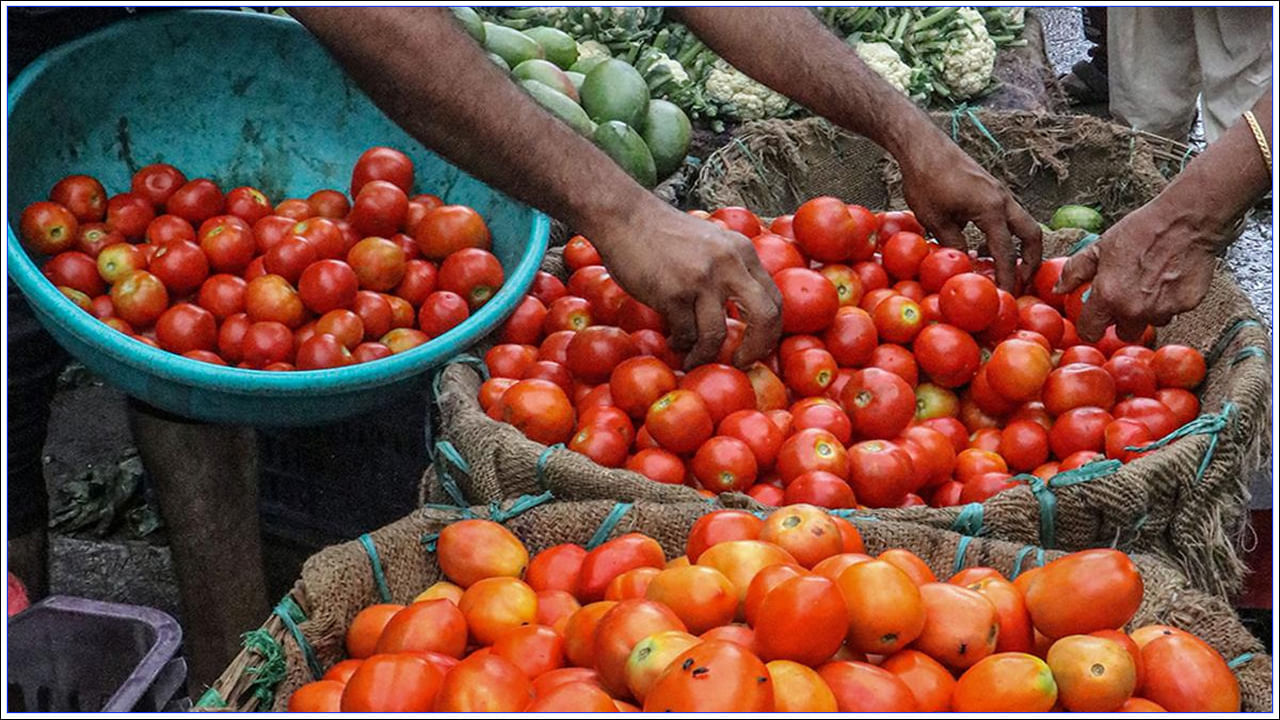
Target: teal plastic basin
{"x":244,"y":99}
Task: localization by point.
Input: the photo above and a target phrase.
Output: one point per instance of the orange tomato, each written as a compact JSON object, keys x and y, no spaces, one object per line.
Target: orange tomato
{"x":1006,"y":682}
{"x":434,"y":625}
{"x":702,"y":597}
{"x":366,"y":628}
{"x":1129,"y":645}
{"x":740,"y":560}
{"x":805,"y":531}
{"x":556,"y":568}
{"x":1141,"y":705}
{"x":836,"y":564}
{"x":960,"y":627}
{"x":574,"y":697}
{"x":862,"y":687}
{"x":342,"y":671}
{"x":884,"y":608}
{"x":1093,"y":674}
{"x":1025,"y":579}
{"x":928,"y":680}
{"x":1145,"y":634}
{"x":472,"y":550}
{"x":548,"y":681}
{"x":319,"y":696}
{"x":580,"y":633}
{"x":611,"y":559}
{"x":734,"y":633}
{"x":494,"y":605}
{"x":535,"y":649}
{"x":1184,"y":674}
{"x":484,"y":683}
{"x":801,"y":619}
{"x":392,"y":683}
{"x":555,"y":607}
{"x":651,"y":656}
{"x":712,"y":676}
{"x":1015,"y":622}
{"x":1105,"y":590}
{"x":762,"y":583}
{"x":441,"y":591}
{"x":798,"y":688}
{"x":851,"y":539}
{"x":626,"y":624}
{"x":909,"y":563}
{"x":631,"y":584}
{"x":969,"y":576}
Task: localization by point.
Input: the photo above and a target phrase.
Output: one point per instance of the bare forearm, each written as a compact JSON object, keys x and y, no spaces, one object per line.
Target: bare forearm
{"x":793,"y":53}
{"x":430,"y":77}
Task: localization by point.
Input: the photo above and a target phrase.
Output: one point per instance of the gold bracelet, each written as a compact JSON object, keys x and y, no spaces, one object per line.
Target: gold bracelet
{"x":1259,"y":137}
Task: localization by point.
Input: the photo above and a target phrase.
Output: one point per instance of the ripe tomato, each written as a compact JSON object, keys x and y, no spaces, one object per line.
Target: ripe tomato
{"x":1184,"y":674}
{"x":250,"y":205}
{"x":934,"y":402}
{"x":969,"y":301}
{"x":637,"y":382}
{"x":129,"y":215}
{"x":720,"y":526}
{"x":1006,"y":682}
{"x":296,"y":209}
{"x":809,"y":300}
{"x":449,"y":228}
{"x":343,"y":325}
{"x":871,"y":300}
{"x":75,"y":270}
{"x":267,"y":231}
{"x":1185,"y":405}
{"x":933,"y":459}
{"x":809,"y":372}
{"x":732,"y":679}
{"x":495,"y":605}
{"x":290,"y":257}
{"x":271,"y":297}
{"x":798,"y":688}
{"x":156,"y":183}
{"x":754,"y":429}
{"x":374,"y":312}
{"x":593,"y":352}
{"x":379,"y":209}
{"x":903,"y":253}
{"x":441,"y":312}
{"x":898,"y":319}
{"x":431,"y":625}
{"x":961,"y":626}
{"x":947,"y":354}
{"x":1079,"y":429}
{"x":1016,"y":632}
{"x":1106,"y":582}
{"x":319,"y":352}
{"x":618,"y":632}
{"x":739,"y":220}
{"x":83,"y":195}
{"x":879,"y":403}
{"x":547,"y":288}
{"x":539,"y":409}
{"x":318,"y":696}
{"x":93,"y":238}
{"x":1178,"y":366}
{"x":829,"y":233}
{"x":556,"y":568}
{"x":365,"y":629}
{"x":1078,"y":385}
{"x":1086,"y":354}
{"x":881,"y":473}
{"x":380,"y":264}
{"x":724,"y":464}
{"x":555,"y":372}
{"x":883,"y":607}
{"x":402,"y":312}
{"x":328,"y":285}
{"x":1159,"y":419}
{"x":535,"y":649}
{"x":382,"y":163}
{"x":940,"y":265}
{"x":812,"y":449}
{"x":896,"y":360}
{"x":1039,"y":317}
{"x":484,"y":683}
{"x":805,"y":531}
{"x":602,"y":444}
{"x":928,"y":680}
{"x":139,"y":298}
{"x":509,"y":361}
{"x":601,"y":565}
{"x":472,"y":273}
{"x":862,"y":687}
{"x":1124,"y":433}
{"x":762,"y":584}
{"x":1024,"y":445}
{"x":1018,"y":369}
{"x":1133,"y":377}
{"x":262,"y":343}
{"x":181,"y":266}
{"x":393,"y":683}
{"x":872,"y":275}
{"x":777,"y":252}
{"x":580,"y":253}
{"x":801,"y":619}
{"x":847,"y":283}
{"x":186,"y":327}
{"x":568,"y":313}
{"x":820,"y":488}
{"x":195,"y":201}
{"x":822,"y":413}
{"x":701,"y":597}
{"x":909,"y":563}
{"x":1093,"y":674}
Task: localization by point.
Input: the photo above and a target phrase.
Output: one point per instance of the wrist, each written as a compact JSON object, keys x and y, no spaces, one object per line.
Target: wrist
{"x":606,"y":214}
{"x":1204,"y":227}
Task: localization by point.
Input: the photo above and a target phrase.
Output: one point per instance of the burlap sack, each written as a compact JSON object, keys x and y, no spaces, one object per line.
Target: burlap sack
{"x":1185,"y":503}
{"x":340,"y":581}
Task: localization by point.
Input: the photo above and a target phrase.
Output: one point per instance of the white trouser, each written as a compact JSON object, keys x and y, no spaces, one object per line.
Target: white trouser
{"x":1161,"y":59}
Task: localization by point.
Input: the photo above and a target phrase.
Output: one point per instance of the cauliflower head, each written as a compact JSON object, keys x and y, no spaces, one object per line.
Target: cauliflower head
{"x":593,"y":49}
{"x":970,"y":55}
{"x":741,"y":96}
{"x":882,"y":58}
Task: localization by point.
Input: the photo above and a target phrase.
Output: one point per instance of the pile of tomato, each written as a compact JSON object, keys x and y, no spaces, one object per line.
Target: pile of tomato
{"x":783,"y":614}
{"x":905,"y":376}
{"x":229,"y":279}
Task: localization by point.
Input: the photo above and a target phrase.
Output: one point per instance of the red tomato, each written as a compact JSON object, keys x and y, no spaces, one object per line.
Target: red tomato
{"x":75,"y":270}
{"x":547,"y":288}
{"x":872,"y":275}
{"x":472,"y":273}
{"x":379,"y":209}
{"x":896,"y":360}
{"x":1158,"y":418}
{"x":449,"y":228}
{"x":223,"y":295}
{"x":1045,"y":278}
{"x":186,"y":327}
{"x":248,"y":204}
{"x":1079,"y":429}
{"x":602,"y":444}
{"x":539,"y":409}
{"x":93,"y":238}
{"x":1024,"y":445}
{"x":380,"y":265}
{"x":822,"y":413}
{"x":196,"y":201}
{"x":296,"y":209}
{"x":809,"y":300}
{"x":739,"y":220}
{"x":941,"y":265}
{"x":851,"y":338}
{"x":782,"y":225}
{"x":289,"y":257}
{"x":1006,"y":322}
{"x":580,"y":253}
{"x":871,"y":300}
{"x":758,"y":432}
{"x":1133,"y":377}
{"x":947,"y":354}
{"x":441,"y":312}
{"x":271,"y":297}
{"x":82,"y":195}
{"x":267,"y":232}
{"x":181,"y":266}
{"x":881,"y":473}
{"x":658,"y":465}
{"x":1185,"y":405}
{"x":328,"y":285}
{"x":323,"y":351}
{"x":568,"y":313}
{"x":593,"y":353}
{"x":229,"y":246}
{"x":720,"y":526}
{"x":808,"y":372}
{"x":820,"y":488}
{"x":1018,"y":369}
{"x":879,"y":403}
{"x":724,"y":464}
{"x":777,"y":252}
{"x":828,"y":232}
{"x":861,"y":687}
{"x":953,"y":429}
{"x":847,"y":283}
{"x":382,"y":163}
{"x":969,"y":301}
{"x":1078,"y":385}
{"x":680,"y":421}
{"x":509,"y":360}
{"x":396,"y":682}
{"x":898,"y":319}
{"x":723,"y":389}
{"x":812,"y":449}
{"x":936,"y":457}
{"x":156,"y":183}
{"x":1178,"y":366}
{"x":903,"y":253}
{"x":330,"y":204}
{"x":1123,"y":433}
{"x":374,"y":312}
{"x":1039,"y":317}
{"x":129,"y":215}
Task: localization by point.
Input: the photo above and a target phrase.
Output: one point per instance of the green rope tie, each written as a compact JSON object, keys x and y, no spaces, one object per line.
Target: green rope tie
{"x":429,"y":541}
{"x":1083,"y":243}
{"x":376,"y":565}
{"x":964,"y":108}
{"x":1043,"y":492}
{"x":445,"y":451}
{"x":1239,"y":660}
{"x":1228,"y":336}
{"x":610,"y":522}
{"x":522,"y":504}
{"x":464,"y":358}
{"x":211,"y":699}
{"x":540,"y":470}
{"x":272,"y":670}
{"x":290,"y":614}
{"x":969,"y":520}
{"x":1022,"y":556}
{"x":1186,"y":156}
{"x":961,"y":547}
{"x":1246,"y":353}
{"x":1208,"y":424}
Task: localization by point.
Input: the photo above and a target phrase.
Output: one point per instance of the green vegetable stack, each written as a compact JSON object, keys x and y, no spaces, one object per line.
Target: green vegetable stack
{"x":604,"y":99}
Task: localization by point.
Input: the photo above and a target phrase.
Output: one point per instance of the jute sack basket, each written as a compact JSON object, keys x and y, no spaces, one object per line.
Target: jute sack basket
{"x":306,"y":634}
{"x":1184,"y":503}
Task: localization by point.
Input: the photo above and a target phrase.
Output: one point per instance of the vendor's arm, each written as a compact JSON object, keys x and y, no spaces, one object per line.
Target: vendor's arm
{"x":1158,"y":261}
{"x":429,"y":76}
{"x":790,"y":50}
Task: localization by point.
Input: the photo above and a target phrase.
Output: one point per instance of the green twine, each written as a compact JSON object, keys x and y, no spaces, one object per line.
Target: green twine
{"x":464,"y":358}
{"x":969,"y":520}
{"x":211,"y":699}
{"x":446,"y":451}
{"x":961,"y":547}
{"x":1083,"y":243}
{"x":290,"y":614}
{"x":1246,"y":353}
{"x":522,"y":504}
{"x":1186,"y":156}
{"x":1043,"y":492}
{"x":1209,"y":424}
{"x":1220,"y":346}
{"x":540,"y":469}
{"x":973,"y":118}
{"x":375,"y":564}
{"x":610,"y":522}
{"x":1239,"y":660}
{"x":1022,"y":556}
{"x":272,"y":670}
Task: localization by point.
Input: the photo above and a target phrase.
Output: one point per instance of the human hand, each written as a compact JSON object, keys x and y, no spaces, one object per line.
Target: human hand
{"x":946,"y":189}
{"x":687,"y":269}
{"x":1153,"y":264}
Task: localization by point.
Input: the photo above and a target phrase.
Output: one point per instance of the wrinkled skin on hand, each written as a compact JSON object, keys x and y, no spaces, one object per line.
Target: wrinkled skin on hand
{"x":687,"y":269}
{"x":947,"y":189}
{"x":1153,"y":264}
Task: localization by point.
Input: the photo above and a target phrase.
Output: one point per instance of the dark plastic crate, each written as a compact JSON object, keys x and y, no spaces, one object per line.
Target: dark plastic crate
{"x":69,"y":654}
